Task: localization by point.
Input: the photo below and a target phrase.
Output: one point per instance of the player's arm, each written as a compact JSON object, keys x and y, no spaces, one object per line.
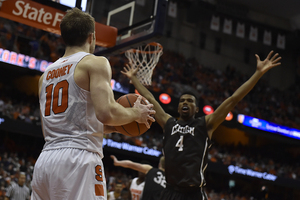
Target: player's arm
{"x":39,"y":90}
{"x":109,"y":129}
{"x":107,"y":110}
{"x":144,"y":168}
{"x":215,"y":119}
{"x":161,"y":116}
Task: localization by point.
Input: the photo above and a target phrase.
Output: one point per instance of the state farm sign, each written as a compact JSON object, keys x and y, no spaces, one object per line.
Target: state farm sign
{"x":47,"y":18}
{"x":28,"y":11}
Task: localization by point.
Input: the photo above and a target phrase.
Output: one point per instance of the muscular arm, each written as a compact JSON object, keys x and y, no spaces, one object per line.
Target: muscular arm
{"x":108,"y":111}
{"x":215,"y":119}
{"x":144,"y":168}
{"x":161,"y":116}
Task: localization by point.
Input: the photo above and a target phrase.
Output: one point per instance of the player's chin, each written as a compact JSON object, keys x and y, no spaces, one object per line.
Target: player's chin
{"x":184,"y":113}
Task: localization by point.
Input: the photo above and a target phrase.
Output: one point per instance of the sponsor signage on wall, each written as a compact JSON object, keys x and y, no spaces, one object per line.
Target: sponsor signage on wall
{"x":132,"y":148}
{"x":22,"y":60}
{"x":268,"y":126}
{"x":48,"y":19}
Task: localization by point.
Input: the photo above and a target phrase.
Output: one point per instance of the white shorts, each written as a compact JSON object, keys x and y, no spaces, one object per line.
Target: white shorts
{"x":68,"y":174}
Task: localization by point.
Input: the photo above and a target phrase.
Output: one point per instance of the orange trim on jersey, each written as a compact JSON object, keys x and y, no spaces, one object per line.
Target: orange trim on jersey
{"x":48,"y":19}
{"x":99,"y":191}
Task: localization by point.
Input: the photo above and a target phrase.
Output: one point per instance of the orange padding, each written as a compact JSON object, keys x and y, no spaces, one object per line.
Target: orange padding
{"x":106,"y":36}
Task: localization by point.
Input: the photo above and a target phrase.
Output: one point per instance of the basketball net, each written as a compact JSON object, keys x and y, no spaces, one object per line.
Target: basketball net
{"x":145,"y":58}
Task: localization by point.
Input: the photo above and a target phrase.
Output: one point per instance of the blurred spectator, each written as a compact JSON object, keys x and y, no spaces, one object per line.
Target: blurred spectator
{"x":19,"y":190}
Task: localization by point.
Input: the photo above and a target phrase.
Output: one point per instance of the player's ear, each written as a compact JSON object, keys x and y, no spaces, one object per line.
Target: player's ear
{"x":91,"y":38}
{"x":197,"y":109}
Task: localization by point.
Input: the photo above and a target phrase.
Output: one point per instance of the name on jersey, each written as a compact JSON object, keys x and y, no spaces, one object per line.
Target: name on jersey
{"x":55,"y":73}
{"x":135,"y":191}
{"x":183,"y":129}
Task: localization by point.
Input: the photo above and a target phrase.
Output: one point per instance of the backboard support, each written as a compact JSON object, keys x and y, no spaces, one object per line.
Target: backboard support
{"x":137,"y":24}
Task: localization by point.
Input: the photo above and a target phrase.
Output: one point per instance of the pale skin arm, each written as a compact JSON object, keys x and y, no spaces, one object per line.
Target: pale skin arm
{"x":161,"y":116}
{"x":109,"y":129}
{"x":215,"y":119}
{"x":144,"y":168}
{"x":39,"y":89}
{"x":108,"y":111}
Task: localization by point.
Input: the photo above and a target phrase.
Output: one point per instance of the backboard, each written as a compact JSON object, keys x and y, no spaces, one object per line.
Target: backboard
{"x":138,"y":22}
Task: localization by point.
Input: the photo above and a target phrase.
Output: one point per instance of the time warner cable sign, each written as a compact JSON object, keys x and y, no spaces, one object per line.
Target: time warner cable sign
{"x":132,"y":148}
{"x":268,"y":126}
{"x":249,"y":172}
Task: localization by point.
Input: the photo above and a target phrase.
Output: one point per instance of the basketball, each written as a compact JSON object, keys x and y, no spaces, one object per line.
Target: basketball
{"x":134,"y":128}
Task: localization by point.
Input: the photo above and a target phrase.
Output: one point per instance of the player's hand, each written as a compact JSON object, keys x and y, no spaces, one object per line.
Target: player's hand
{"x":145,"y":112}
{"x":114,"y":159}
{"x":268,"y":63}
{"x":129,"y":71}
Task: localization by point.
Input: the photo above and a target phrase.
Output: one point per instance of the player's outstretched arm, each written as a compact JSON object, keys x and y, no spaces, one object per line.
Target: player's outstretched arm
{"x":144,"y":168}
{"x":107,"y":110}
{"x":161,"y":116}
{"x":215,"y":119}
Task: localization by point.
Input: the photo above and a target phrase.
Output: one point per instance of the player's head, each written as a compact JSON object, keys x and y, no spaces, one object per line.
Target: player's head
{"x":22,"y":178}
{"x":118,"y":186}
{"x":188,"y":105}
{"x":77,"y":28}
{"x":161,"y":163}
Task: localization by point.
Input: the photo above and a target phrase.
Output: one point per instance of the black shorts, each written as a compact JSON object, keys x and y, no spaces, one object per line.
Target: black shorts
{"x":174,"y":193}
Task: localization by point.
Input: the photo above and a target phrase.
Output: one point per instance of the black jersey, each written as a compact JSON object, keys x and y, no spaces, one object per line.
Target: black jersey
{"x":185,"y":147}
{"x":155,"y":182}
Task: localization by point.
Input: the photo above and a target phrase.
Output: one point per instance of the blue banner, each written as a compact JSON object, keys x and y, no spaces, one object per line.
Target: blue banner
{"x":268,"y":126}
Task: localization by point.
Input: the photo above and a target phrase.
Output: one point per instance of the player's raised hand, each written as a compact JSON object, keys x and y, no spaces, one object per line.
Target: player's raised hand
{"x":115,"y":160}
{"x":129,"y":71}
{"x":145,"y":112}
{"x":268,"y":63}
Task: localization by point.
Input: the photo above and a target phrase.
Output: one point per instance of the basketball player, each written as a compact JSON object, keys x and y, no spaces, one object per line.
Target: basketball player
{"x":137,"y":186}
{"x":186,"y":140}
{"x":155,"y":180}
{"x":77,"y":107}
{"x":116,"y":193}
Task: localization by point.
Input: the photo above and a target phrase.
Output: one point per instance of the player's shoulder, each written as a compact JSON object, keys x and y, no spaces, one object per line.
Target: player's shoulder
{"x":92,"y":59}
{"x":95,"y":63}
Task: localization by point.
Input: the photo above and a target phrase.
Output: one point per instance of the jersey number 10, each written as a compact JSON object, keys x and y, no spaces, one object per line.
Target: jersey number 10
{"x":59,"y":98}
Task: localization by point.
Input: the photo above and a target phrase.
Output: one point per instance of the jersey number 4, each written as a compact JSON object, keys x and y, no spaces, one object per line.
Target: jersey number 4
{"x":59,"y":98}
{"x":180,"y":143}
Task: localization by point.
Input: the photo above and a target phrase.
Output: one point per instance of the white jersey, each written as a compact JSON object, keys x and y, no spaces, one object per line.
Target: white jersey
{"x":136,"y":190}
{"x":111,"y":195}
{"x":69,"y":119}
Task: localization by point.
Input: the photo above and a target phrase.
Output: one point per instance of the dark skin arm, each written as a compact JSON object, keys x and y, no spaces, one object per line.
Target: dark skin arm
{"x":215,"y":119}
{"x":161,"y":116}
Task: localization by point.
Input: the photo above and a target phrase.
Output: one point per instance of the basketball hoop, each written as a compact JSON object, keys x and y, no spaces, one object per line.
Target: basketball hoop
{"x":145,"y":58}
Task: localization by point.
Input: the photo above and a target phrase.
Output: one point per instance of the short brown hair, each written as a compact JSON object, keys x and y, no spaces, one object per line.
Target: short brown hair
{"x":76,"y":26}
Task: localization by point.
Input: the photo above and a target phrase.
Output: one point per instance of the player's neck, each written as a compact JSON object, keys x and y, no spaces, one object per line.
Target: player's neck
{"x":181,"y":118}
{"x":70,"y":50}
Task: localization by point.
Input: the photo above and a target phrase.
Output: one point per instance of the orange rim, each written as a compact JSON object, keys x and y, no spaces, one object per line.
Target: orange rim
{"x":147,"y":52}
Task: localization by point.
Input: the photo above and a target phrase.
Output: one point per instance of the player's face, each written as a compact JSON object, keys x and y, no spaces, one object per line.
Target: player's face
{"x":187,"y":106}
{"x":118,"y":188}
